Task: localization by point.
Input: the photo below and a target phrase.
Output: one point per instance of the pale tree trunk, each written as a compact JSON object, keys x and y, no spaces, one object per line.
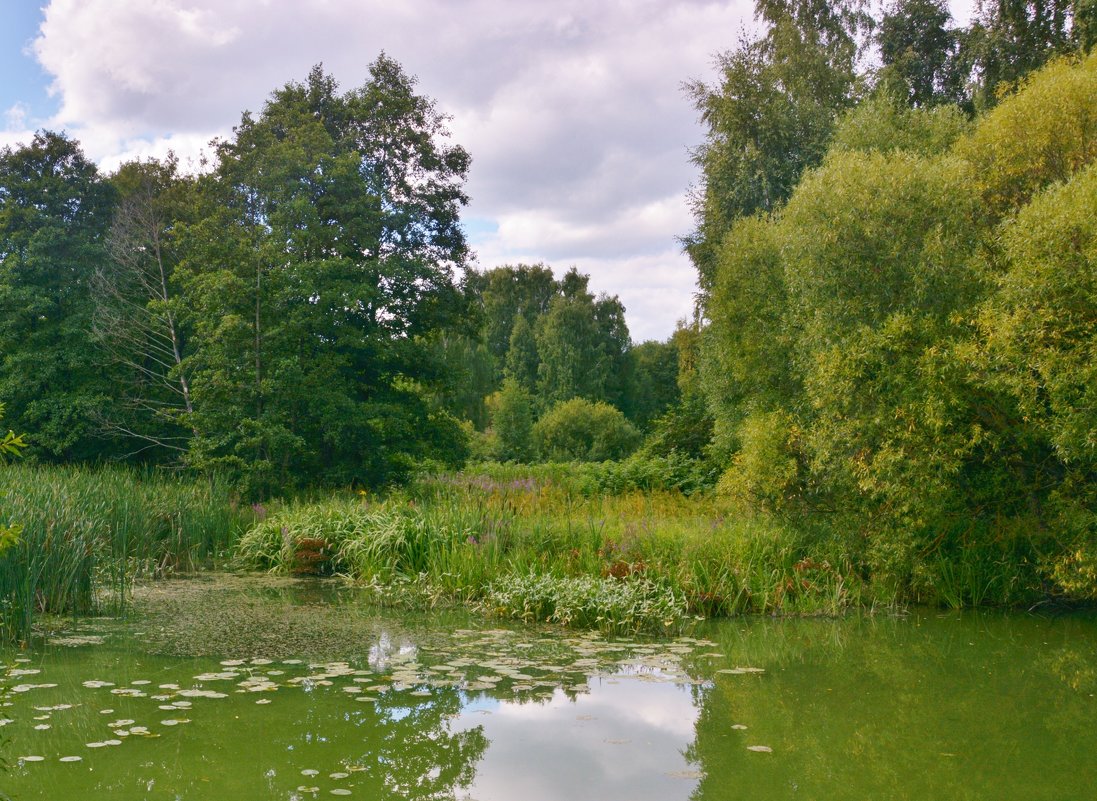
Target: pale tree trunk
{"x":138,"y":329}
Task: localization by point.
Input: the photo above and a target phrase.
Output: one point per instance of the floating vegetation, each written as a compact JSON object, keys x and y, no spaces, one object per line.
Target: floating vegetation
{"x":77,"y":640}
{"x":391,"y":669}
{"x":377,"y":668}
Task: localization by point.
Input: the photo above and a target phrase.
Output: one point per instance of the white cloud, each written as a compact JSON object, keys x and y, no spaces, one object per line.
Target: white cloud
{"x":15,"y":118}
{"x":573,"y":111}
{"x":15,"y":129}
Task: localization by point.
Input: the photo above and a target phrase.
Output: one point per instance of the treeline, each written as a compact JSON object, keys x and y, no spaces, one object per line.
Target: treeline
{"x":303,"y":312}
{"x":269,"y":319}
{"x":543,"y":369}
{"x":901,"y":331}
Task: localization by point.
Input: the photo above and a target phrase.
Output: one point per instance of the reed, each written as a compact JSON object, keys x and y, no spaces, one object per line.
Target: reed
{"x":86,"y":533}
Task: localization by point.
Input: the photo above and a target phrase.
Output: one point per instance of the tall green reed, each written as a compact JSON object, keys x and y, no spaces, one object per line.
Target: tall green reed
{"x":87,"y":532}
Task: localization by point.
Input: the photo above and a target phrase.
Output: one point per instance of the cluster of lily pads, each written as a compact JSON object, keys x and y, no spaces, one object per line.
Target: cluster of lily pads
{"x":523,"y":666}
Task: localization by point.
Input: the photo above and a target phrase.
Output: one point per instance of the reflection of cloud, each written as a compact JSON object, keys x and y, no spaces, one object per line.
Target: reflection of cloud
{"x":573,"y":111}
{"x":623,"y":699}
{"x":620,"y":740}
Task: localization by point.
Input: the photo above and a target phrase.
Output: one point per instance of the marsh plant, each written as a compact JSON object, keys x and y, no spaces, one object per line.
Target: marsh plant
{"x":605,"y":603}
{"x":537,"y":549}
{"x":87,"y":533}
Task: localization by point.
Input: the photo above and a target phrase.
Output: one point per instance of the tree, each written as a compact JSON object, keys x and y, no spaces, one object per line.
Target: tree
{"x":512,"y":422}
{"x":616,"y":345}
{"x":317,"y":276}
{"x":522,"y":358}
{"x":1041,"y":336}
{"x":771,"y":115}
{"x":505,"y":293}
{"x":138,"y":314}
{"x":654,"y":385}
{"x":54,"y":215}
{"x":1043,"y":134}
{"x":574,"y":363}
{"x":883,"y":122}
{"x":919,"y":52}
{"x":470,"y":376}
{"x":1012,"y":38}
{"x":686,"y":428}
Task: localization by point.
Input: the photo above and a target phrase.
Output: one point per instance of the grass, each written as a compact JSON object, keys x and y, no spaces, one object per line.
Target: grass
{"x":543,"y":545}
{"x":573,"y":544}
{"x":85,"y":534}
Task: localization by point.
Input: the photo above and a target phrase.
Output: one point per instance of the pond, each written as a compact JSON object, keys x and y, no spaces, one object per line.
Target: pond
{"x":244,"y":688}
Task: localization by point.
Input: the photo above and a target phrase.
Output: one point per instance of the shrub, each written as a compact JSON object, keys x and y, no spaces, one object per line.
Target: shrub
{"x":1043,"y":134}
{"x":584,"y":431}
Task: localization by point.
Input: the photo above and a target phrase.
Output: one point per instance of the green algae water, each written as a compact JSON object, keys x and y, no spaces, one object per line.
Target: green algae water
{"x":230,"y":688}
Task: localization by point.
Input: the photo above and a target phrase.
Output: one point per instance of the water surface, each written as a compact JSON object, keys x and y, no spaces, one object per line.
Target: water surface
{"x":252,"y":689}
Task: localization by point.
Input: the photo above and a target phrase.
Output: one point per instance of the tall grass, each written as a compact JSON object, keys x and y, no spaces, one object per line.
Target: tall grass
{"x":543,"y":545}
{"x":85,"y":533}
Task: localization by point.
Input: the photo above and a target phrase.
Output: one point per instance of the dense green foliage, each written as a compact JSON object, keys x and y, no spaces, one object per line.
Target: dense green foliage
{"x":578,"y":430}
{"x":336,"y":234}
{"x":905,"y":346}
{"x":272,"y":319}
{"x":543,"y":548}
{"x":556,"y":340}
{"x":55,"y":210}
{"x":512,"y":422}
{"x":888,"y":386}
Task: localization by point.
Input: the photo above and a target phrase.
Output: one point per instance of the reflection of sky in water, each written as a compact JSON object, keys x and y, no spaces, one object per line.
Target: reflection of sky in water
{"x":624,"y":739}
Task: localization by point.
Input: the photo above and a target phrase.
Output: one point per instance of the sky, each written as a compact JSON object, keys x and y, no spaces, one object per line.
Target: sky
{"x":573,"y":110}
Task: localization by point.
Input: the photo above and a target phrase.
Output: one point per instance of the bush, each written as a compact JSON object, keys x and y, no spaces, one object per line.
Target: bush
{"x":1043,"y":134}
{"x":584,"y":431}
{"x":349,"y":536}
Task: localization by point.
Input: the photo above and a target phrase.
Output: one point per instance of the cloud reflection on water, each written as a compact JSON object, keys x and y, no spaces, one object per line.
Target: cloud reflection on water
{"x":625,"y":739}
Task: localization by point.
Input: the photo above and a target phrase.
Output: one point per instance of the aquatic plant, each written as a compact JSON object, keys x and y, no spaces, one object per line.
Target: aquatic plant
{"x":88,"y":532}
{"x":609,"y":604}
